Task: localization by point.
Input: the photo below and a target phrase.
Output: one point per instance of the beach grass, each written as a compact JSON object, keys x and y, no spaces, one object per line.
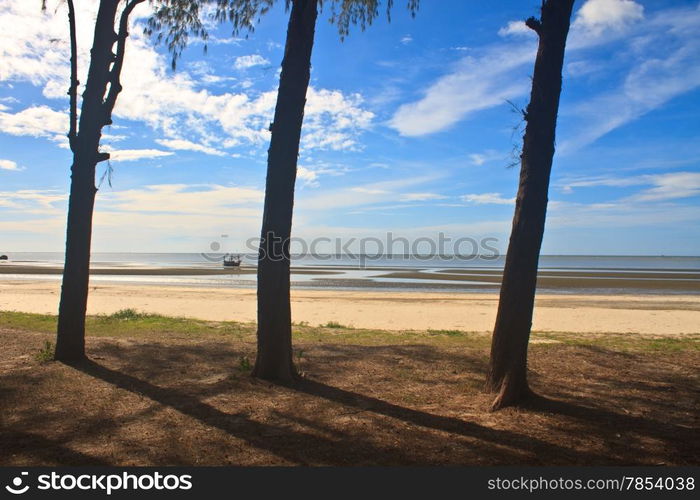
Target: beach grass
{"x":128,"y":323}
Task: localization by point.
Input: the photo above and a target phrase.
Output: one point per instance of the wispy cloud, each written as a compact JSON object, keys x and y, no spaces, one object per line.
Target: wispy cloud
{"x":361,"y":195}
{"x":478,"y":82}
{"x":10,"y":165}
{"x":663,"y":187}
{"x":135,"y":154}
{"x":671,"y":187}
{"x":247,"y":62}
{"x":185,"y":145}
{"x":310,"y":174}
{"x":517,"y":28}
{"x":421,"y":197}
{"x":487,"y":199}
{"x":32,"y":201}
{"x":664,"y":62}
{"x":485,"y":157}
{"x":206,"y":199}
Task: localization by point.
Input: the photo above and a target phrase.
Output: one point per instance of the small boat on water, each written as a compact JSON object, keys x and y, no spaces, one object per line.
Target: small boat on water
{"x":3,"y":257}
{"x":232,"y":260}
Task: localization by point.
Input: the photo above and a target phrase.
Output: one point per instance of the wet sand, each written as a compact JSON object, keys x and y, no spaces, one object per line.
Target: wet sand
{"x":682,"y":281}
{"x":146,"y":271}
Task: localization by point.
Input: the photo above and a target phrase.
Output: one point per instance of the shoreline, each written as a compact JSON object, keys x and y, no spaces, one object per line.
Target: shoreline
{"x":434,"y":280}
{"x":645,"y":314}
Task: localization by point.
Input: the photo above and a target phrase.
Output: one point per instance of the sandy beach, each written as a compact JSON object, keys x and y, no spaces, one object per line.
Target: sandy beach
{"x":392,"y":310}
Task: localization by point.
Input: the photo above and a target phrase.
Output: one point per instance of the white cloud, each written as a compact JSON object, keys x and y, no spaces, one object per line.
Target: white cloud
{"x":668,"y":66}
{"x":185,"y":145}
{"x":309,"y":175}
{"x":421,"y":197}
{"x":163,"y":216}
{"x":333,"y":120}
{"x":598,"y":15}
{"x":30,"y":201}
{"x":487,"y":199}
{"x":135,"y":154}
{"x":37,"y":121}
{"x":359,"y":195}
{"x":10,"y":165}
{"x":246,"y":62}
{"x":33,"y":47}
{"x":477,"y":82}
{"x":516,"y":28}
{"x":406,"y":39}
{"x":670,"y":186}
{"x":499,"y":72}
{"x":568,"y":185}
{"x":485,"y":157}
{"x":623,"y":214}
{"x":204,"y":199}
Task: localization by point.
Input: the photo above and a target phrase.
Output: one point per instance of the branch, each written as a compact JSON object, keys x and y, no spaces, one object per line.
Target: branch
{"x":73,"y":89}
{"x":101,"y":156}
{"x":534,"y":24}
{"x":115,"y":85}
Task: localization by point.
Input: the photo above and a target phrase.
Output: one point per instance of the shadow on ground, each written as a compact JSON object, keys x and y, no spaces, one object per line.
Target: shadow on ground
{"x":145,"y":402}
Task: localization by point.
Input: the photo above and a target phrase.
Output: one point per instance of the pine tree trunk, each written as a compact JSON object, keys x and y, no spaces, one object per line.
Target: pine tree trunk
{"x":274,"y":358}
{"x":70,"y":339}
{"x":508,"y":365}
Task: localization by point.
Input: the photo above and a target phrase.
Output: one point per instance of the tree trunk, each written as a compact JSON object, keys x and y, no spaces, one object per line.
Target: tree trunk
{"x":508,"y":366}
{"x":274,"y":358}
{"x":70,"y":340}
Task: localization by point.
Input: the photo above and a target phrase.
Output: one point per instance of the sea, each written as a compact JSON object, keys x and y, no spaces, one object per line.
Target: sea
{"x":558,"y":273}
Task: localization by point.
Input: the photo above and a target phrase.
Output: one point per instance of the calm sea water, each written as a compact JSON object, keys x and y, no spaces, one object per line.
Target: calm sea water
{"x":661,"y":274}
{"x":580,"y":262}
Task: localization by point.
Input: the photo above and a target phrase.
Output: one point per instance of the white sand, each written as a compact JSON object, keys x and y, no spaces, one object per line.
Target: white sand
{"x":643,"y":314}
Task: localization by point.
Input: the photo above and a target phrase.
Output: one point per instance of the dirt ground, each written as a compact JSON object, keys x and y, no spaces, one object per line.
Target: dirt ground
{"x":191,"y":402}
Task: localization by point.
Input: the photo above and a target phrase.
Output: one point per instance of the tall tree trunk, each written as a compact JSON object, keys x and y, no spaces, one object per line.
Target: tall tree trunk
{"x":508,"y":366}
{"x":274,"y":358}
{"x":70,"y":340}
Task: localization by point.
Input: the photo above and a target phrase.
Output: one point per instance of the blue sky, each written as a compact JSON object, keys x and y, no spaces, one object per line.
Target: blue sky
{"x":408,"y":130}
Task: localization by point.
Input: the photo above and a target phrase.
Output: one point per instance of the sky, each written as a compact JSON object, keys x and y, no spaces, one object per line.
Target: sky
{"x":411,"y":128}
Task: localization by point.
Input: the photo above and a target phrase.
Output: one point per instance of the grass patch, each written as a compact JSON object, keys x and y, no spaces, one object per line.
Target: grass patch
{"x":335,"y":324}
{"x":449,"y":333}
{"x":244,"y":364}
{"x":46,"y":353}
{"x":129,"y":323}
{"x":127,"y":315}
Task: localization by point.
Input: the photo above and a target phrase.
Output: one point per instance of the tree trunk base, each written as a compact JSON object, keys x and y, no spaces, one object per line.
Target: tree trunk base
{"x":285,"y":376}
{"x":69,"y":359}
{"x":512,"y":393}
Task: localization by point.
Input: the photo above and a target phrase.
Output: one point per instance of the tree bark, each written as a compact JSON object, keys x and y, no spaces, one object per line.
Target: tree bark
{"x":508,"y":365}
{"x":70,"y":339}
{"x":274,"y":358}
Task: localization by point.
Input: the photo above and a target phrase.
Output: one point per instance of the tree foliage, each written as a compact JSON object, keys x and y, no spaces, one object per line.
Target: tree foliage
{"x":175,"y":21}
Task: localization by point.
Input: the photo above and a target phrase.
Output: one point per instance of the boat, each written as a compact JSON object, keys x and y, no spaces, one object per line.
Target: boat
{"x":232,"y":260}
{"x":3,"y":257}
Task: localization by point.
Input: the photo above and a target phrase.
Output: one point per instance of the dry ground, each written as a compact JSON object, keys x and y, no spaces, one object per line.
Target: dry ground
{"x":181,"y":395}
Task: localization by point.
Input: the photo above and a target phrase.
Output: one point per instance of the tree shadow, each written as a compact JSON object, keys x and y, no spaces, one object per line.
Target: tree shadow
{"x":343,"y":448}
{"x":47,"y":450}
{"x":352,"y":410}
{"x":447,"y":424}
{"x":294,"y":445}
